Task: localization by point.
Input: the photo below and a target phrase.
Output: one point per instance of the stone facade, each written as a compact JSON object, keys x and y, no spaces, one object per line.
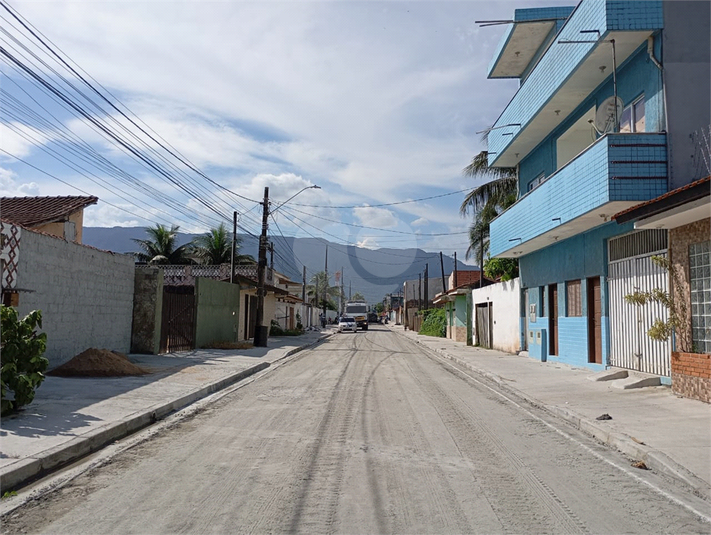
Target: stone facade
{"x":680,"y":239}
{"x":691,"y":375}
{"x":147,"y":311}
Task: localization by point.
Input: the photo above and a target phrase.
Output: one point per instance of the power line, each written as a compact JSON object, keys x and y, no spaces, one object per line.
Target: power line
{"x":382,"y":204}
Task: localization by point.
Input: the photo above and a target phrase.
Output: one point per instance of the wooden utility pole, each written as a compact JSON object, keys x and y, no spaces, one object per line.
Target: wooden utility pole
{"x":427,"y":286}
{"x":441,"y":265}
{"x":455,"y":270}
{"x":304,"y":307}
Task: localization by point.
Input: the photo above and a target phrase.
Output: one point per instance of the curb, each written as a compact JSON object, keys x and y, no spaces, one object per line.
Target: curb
{"x":25,"y":470}
{"x":654,"y":459}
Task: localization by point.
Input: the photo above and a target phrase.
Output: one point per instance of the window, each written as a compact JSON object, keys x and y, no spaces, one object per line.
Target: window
{"x":700,"y":282}
{"x":540,"y":179}
{"x":632,"y":119}
{"x":574,"y":298}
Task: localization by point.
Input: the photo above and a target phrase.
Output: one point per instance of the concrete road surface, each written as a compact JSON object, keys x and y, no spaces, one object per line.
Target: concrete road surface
{"x":366,"y":433}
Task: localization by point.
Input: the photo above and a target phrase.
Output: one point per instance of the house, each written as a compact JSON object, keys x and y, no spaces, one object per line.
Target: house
{"x":58,"y":216}
{"x":288,"y":311}
{"x":686,"y":214}
{"x":612,"y":96}
{"x":457,"y":303}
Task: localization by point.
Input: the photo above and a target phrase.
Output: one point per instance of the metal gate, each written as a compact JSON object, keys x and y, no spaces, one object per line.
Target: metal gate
{"x":177,"y":331}
{"x":631,"y":269}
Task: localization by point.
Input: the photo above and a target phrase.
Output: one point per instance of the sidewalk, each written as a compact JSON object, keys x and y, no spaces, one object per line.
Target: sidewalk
{"x":71,"y":417}
{"x":670,"y":434}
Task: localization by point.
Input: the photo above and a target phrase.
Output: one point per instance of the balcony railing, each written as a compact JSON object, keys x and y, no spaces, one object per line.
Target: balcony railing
{"x":569,"y":71}
{"x":612,"y":174}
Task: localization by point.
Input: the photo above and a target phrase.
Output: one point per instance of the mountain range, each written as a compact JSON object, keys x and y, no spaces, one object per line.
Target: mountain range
{"x":371,"y":272}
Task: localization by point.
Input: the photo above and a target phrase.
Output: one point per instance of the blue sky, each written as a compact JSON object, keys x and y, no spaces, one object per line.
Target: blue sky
{"x":376,"y":102}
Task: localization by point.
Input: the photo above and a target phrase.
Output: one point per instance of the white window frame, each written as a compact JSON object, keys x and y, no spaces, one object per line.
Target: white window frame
{"x":633,"y":119}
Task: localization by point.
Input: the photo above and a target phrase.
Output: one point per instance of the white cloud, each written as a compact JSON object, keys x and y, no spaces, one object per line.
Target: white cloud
{"x":375,"y":217}
{"x":419,"y":222}
{"x":19,"y":139}
{"x":369,"y":243}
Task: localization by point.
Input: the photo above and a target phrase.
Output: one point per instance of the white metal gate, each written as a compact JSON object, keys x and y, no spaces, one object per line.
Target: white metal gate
{"x":630,"y":347}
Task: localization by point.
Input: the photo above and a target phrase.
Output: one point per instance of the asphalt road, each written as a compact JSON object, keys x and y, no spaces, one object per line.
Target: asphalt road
{"x":365,"y":434}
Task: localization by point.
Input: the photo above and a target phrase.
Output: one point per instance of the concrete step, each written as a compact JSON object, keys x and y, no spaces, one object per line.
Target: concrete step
{"x":637,"y":380}
{"x":609,"y":375}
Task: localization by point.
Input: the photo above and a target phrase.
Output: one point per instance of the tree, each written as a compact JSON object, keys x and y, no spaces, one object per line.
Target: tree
{"x":358,"y":297}
{"x":160,"y":247}
{"x":487,"y":201}
{"x":215,"y":247}
{"x":320,"y":288}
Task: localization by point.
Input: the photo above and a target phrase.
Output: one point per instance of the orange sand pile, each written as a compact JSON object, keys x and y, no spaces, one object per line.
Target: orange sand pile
{"x":98,"y":363}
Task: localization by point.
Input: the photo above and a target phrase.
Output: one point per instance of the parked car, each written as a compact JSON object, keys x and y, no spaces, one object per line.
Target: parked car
{"x":347,"y":323}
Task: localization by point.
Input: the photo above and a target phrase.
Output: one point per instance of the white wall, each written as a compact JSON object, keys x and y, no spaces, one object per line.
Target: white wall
{"x":505,"y":297}
{"x":85,"y":295}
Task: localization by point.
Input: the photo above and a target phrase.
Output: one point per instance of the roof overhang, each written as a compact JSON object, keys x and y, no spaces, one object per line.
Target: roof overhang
{"x":578,"y":86}
{"x":521,"y":43}
{"x":678,"y":216}
{"x":580,"y":224}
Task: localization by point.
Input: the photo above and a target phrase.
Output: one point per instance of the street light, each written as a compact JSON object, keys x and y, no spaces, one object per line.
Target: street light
{"x":261,"y":332}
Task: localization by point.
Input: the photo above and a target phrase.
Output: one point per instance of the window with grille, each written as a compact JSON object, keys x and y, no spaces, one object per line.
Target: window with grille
{"x":574,"y":298}
{"x":700,"y":282}
{"x":542,"y":300}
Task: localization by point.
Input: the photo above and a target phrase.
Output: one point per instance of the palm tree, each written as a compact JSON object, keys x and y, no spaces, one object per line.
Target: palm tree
{"x":358,"y":297}
{"x":320,"y":289}
{"x":160,"y":247}
{"x":501,"y":191}
{"x":487,"y":201}
{"x":215,"y":247}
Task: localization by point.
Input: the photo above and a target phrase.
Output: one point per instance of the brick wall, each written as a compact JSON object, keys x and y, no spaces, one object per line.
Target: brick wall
{"x":691,"y":375}
{"x":680,"y":239}
{"x":85,"y":295}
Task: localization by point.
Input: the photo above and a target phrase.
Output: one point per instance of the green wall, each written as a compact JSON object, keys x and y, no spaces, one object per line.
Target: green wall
{"x":217,"y":311}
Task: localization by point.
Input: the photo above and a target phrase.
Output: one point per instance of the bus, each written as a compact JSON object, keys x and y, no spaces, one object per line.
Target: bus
{"x":359,"y":311}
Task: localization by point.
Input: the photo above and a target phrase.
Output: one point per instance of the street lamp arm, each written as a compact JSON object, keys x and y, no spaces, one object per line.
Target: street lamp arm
{"x":294,"y":195}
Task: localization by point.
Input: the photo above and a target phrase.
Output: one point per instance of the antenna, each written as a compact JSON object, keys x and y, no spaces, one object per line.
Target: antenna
{"x":607,"y":117}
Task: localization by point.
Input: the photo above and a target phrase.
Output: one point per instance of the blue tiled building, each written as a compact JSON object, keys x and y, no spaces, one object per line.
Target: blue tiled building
{"x":611,"y":92}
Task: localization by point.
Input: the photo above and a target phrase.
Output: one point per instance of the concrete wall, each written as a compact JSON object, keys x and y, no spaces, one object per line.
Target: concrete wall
{"x":85,"y":295}
{"x":505,"y":297}
{"x":218,"y":307}
{"x":147,"y":311}
{"x":687,"y":75}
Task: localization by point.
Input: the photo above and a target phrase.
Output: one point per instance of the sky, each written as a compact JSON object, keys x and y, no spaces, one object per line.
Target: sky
{"x":377,"y":103}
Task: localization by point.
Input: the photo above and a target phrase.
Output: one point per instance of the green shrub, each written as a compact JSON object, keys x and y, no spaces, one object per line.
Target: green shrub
{"x":21,"y":360}
{"x":276,"y":330}
{"x":434,"y":323}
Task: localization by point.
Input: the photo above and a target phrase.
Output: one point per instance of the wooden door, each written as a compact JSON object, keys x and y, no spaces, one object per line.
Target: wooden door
{"x":594,"y":321}
{"x":553,"y":319}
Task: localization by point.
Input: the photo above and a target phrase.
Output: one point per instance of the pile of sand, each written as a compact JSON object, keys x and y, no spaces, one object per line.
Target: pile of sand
{"x":98,"y":363}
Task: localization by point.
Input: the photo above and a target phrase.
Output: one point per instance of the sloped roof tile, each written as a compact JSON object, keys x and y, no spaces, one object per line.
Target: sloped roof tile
{"x":31,"y":211}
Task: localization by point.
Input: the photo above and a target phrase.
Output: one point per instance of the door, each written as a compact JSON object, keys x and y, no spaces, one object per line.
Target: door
{"x":483,"y":325}
{"x":553,"y":319}
{"x":594,"y":321}
{"x":177,"y":331}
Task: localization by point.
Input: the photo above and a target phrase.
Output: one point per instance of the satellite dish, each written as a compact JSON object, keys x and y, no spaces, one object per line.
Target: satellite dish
{"x":605,"y":115}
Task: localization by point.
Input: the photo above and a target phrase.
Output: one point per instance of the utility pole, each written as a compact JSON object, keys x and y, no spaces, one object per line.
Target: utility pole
{"x":427,"y":286}
{"x":343,"y":295}
{"x":260,"y":331}
{"x":455,"y":270}
{"x":304,"y":323}
{"x":441,"y":265}
{"x":325,"y":297}
{"x":271,"y":256}
{"x":234,"y":247}
{"x":419,"y":291}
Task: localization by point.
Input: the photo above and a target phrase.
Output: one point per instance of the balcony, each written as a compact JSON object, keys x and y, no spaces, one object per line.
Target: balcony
{"x":567,"y":73}
{"x":612,"y":174}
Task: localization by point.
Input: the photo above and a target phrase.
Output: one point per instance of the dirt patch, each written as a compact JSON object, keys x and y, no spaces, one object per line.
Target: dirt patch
{"x":98,"y":363}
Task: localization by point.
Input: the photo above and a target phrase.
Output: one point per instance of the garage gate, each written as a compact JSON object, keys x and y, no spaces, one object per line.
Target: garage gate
{"x":631,"y":269}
